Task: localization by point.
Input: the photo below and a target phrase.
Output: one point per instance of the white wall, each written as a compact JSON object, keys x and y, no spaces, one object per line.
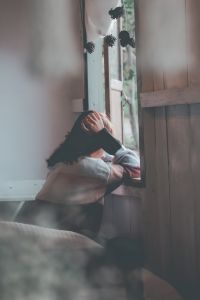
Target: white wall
{"x":40,"y":73}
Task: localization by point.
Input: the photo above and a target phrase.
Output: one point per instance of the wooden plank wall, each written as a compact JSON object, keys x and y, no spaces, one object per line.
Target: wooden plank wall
{"x":122,"y":216}
{"x":172,"y":138}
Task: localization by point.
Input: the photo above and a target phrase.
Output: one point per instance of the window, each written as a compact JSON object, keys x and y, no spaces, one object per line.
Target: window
{"x":112,"y":81}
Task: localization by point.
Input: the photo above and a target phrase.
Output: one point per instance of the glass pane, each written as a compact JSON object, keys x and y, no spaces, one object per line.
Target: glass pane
{"x":129,"y":98}
{"x":114,"y":55}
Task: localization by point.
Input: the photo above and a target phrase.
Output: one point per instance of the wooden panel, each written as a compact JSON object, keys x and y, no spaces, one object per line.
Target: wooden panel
{"x":136,"y":222}
{"x":150,"y":202}
{"x":193,"y":37}
{"x":174,"y":96}
{"x":172,"y":142}
{"x":180,"y":184}
{"x":122,"y":216}
{"x":126,"y":190}
{"x":161,"y":201}
{"x":150,"y":211}
{"x":195,"y":174}
{"x":180,"y":181}
{"x":162,"y":191}
{"x":181,"y":195}
{"x":193,"y":40}
{"x":107,"y":228}
{"x":162,"y":181}
{"x":193,"y":10}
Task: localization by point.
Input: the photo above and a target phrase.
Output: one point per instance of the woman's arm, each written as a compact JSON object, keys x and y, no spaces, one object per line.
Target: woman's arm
{"x":125,"y":163}
{"x":129,"y":160}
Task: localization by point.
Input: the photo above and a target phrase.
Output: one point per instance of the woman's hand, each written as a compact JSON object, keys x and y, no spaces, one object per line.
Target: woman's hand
{"x":92,"y":123}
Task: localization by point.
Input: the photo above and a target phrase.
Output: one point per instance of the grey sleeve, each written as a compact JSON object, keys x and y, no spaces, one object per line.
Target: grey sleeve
{"x":125,"y":162}
{"x":126,"y":158}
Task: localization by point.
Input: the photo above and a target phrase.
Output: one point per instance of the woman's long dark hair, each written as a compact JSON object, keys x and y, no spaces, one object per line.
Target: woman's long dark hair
{"x":76,"y":144}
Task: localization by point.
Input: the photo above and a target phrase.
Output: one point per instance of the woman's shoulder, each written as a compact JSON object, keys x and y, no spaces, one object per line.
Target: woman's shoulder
{"x":92,"y":167}
{"x":85,"y":166}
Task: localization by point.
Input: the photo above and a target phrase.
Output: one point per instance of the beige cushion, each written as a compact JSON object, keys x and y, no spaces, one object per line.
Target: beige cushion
{"x":82,"y":182}
{"x":51,"y":239}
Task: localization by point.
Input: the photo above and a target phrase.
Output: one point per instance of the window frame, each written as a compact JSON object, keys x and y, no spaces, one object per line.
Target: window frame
{"x":141,"y":183}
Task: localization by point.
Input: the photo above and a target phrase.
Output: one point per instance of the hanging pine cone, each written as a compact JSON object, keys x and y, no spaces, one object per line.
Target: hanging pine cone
{"x":90,"y":46}
{"x":131,"y":42}
{"x":123,"y":43}
{"x":110,"y":40}
{"x":124,"y":35}
{"x":124,"y":38}
{"x":117,"y":12}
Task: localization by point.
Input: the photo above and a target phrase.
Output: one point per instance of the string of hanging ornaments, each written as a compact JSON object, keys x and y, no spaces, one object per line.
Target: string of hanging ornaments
{"x":124,"y":37}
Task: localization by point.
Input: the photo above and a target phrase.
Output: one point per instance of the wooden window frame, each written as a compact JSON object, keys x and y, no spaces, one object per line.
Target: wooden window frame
{"x":134,"y":183}
{"x":108,"y":83}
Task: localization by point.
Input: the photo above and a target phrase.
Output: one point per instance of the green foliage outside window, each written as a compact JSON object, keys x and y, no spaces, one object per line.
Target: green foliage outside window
{"x":129,"y":99}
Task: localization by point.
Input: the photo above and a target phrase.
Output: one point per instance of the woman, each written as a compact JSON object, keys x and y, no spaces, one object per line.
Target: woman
{"x":86,"y":166}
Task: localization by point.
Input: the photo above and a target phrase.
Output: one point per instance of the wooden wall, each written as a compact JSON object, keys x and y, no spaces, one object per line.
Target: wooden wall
{"x":169,"y":57}
{"x":122,"y":214}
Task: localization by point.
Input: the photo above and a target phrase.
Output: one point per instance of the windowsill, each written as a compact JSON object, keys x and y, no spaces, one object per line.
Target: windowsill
{"x":127,"y":190}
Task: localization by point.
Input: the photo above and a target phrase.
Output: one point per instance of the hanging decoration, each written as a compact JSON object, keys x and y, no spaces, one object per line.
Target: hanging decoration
{"x":98,"y":22}
{"x":98,"y":25}
{"x":125,"y":39}
{"x":117,"y":12}
{"x":110,"y":40}
{"x":90,"y":47}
